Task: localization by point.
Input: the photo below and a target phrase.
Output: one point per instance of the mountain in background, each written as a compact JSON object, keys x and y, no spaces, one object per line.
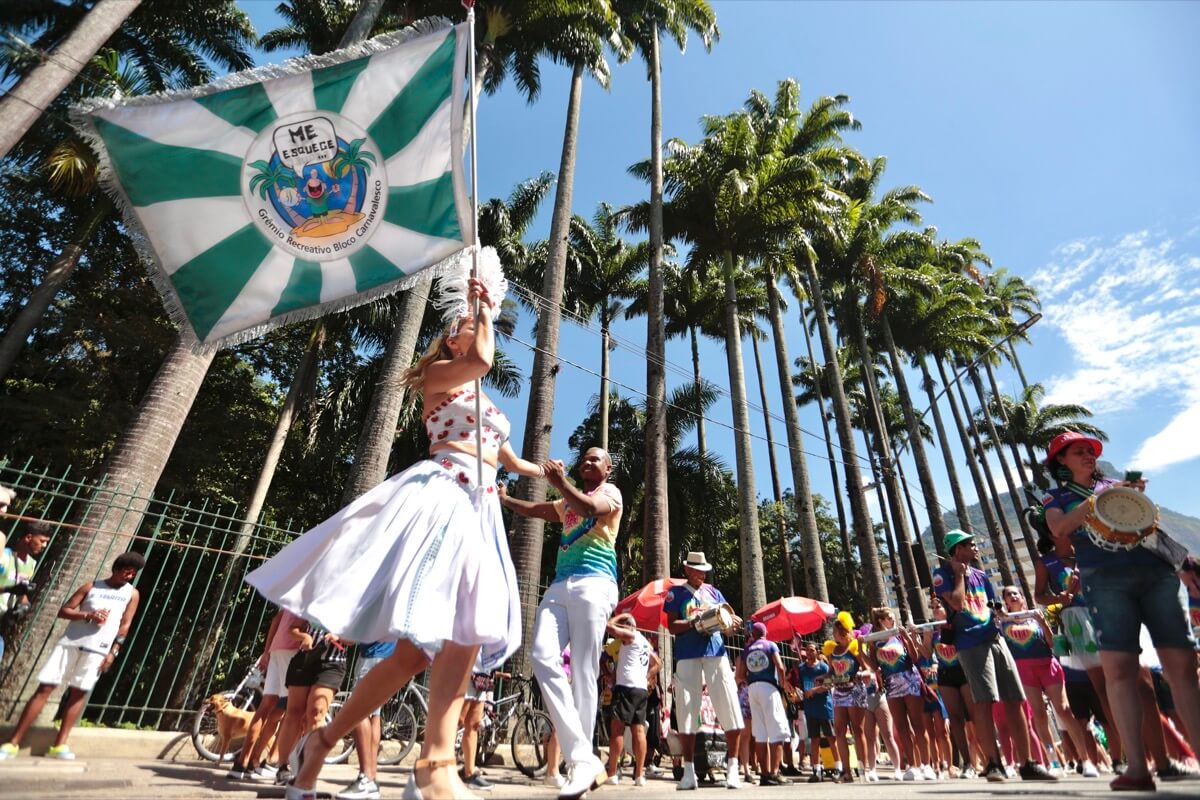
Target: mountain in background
{"x":1183,"y":528}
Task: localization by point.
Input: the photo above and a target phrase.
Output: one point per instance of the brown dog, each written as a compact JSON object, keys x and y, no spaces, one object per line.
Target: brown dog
{"x":232,"y":722}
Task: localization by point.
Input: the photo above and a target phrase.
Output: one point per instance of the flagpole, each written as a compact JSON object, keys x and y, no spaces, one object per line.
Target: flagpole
{"x":470,"y":6}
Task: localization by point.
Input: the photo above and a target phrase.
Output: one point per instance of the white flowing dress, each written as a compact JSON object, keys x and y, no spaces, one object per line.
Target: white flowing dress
{"x":423,"y":556}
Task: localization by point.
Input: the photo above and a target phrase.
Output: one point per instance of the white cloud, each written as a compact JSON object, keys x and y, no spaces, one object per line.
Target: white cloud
{"x":1129,"y":310}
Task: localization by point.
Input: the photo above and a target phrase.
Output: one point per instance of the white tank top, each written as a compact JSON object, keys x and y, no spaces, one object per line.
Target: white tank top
{"x":88,"y":635}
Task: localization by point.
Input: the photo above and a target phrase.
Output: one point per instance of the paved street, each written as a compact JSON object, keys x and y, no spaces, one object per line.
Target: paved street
{"x":122,"y":779}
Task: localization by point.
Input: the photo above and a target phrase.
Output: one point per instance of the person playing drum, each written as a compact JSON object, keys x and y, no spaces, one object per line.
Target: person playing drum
{"x":702,"y":661}
{"x":1126,"y":587}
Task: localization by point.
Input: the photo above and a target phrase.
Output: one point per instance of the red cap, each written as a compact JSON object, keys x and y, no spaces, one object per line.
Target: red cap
{"x":1065,"y":440}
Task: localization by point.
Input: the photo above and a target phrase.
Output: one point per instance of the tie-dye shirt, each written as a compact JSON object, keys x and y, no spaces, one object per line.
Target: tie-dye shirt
{"x":947,"y":654}
{"x":892,"y":657}
{"x":1059,"y":576}
{"x":588,"y":544}
{"x":973,"y":624}
{"x":1025,"y":639}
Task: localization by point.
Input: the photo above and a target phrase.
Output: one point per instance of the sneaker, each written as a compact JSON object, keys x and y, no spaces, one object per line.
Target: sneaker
{"x":1126,"y":783}
{"x":968,"y":774}
{"x":1033,"y":771}
{"x":640,"y":780}
{"x":928,"y":773}
{"x":585,"y":776}
{"x":1174,"y":771}
{"x":283,"y":777}
{"x":1010,"y":773}
{"x":614,"y":779}
{"x":237,"y":773}
{"x":995,"y":773}
{"x":9,"y":750}
{"x":554,"y":779}
{"x":653,"y":771}
{"x":363,"y":788}
{"x":266,"y":772}
{"x":911,"y":775}
{"x":1088,"y":770}
{"x":872,"y":776}
{"x":898,"y":775}
{"x":733,"y":780}
{"x":60,"y":751}
{"x":476,"y":781}
{"x":816,"y":776}
{"x":688,"y":782}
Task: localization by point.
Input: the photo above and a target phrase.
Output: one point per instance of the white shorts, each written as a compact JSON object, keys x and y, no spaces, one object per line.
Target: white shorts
{"x":768,"y":720}
{"x":79,"y":669}
{"x":277,"y":664}
{"x":691,"y":676}
{"x":361,"y":668}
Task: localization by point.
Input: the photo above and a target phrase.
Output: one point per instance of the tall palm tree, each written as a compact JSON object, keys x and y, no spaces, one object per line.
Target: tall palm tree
{"x":776,"y":487}
{"x":607,"y":268}
{"x":579,"y":43}
{"x":1007,"y":294}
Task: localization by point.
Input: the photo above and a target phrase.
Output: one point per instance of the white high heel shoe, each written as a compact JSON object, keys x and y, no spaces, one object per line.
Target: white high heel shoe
{"x":413,"y":792}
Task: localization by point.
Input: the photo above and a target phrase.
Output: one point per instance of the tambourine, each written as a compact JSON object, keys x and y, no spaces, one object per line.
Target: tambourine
{"x":714,"y":619}
{"x":1119,"y":518}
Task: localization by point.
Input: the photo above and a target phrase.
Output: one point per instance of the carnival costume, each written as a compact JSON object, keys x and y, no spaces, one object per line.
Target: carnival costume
{"x":423,"y":556}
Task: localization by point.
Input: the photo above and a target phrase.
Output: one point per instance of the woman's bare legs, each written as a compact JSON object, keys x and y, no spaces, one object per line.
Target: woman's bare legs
{"x":447,"y":685}
{"x":383,"y":681}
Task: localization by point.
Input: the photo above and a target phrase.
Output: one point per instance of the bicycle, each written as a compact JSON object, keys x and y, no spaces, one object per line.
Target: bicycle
{"x":402,"y":723}
{"x":205,"y":737}
{"x":517,"y":718}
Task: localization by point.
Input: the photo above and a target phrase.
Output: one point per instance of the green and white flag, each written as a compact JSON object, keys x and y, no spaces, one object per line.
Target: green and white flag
{"x":285,"y":193}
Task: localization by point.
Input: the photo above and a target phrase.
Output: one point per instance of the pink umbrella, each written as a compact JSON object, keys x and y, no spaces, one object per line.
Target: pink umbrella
{"x":793,"y":616}
{"x":646,"y":604}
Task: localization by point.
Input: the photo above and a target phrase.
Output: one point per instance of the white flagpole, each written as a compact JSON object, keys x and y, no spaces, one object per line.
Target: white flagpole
{"x":471,"y":99}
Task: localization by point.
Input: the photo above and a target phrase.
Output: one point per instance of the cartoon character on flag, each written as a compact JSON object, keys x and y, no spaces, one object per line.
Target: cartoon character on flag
{"x":290,"y":192}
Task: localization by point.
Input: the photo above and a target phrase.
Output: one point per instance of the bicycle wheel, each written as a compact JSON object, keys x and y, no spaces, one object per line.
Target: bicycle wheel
{"x":205,"y":737}
{"x":531,"y":733}
{"x":341,"y":751}
{"x":398,"y":733}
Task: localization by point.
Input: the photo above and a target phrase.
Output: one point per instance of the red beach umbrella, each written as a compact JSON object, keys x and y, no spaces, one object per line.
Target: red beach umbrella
{"x":646,"y":604}
{"x":790,"y":616}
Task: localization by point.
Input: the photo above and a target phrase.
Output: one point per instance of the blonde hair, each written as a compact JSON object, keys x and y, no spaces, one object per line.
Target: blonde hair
{"x":881,"y":613}
{"x":413,"y":378}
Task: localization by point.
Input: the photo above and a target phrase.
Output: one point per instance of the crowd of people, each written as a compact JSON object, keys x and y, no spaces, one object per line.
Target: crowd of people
{"x":434,"y":588}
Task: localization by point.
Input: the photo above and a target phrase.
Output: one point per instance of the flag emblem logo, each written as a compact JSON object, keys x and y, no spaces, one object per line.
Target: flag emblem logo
{"x":313,"y":187}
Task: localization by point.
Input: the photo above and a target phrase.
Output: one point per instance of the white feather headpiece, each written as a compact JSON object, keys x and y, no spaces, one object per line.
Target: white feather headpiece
{"x":452,"y":287}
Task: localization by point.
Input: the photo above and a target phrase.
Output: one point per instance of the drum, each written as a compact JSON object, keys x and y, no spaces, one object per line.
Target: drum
{"x":714,"y":619}
{"x":1120,"y":518}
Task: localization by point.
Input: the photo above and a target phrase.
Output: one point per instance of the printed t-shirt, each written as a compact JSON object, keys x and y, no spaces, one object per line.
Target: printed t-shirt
{"x":947,"y":654}
{"x":1025,"y":638}
{"x":682,"y":602}
{"x":760,"y":662}
{"x":14,"y":570}
{"x":893,"y":657}
{"x":588,"y":544}
{"x":973,"y":624}
{"x":844,"y":666}
{"x":820,"y":705}
{"x":1059,"y":575}
{"x":1087,"y":554}
{"x":633,"y":662}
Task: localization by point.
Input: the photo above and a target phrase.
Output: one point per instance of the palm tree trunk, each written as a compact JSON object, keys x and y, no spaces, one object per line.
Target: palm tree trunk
{"x":898,"y":583}
{"x":919,"y":555}
{"x":874,"y":415}
{"x":1012,"y":445}
{"x":843,"y":528}
{"x":981,"y":492}
{"x":960,"y":502}
{"x":526,"y":536}
{"x":1012,"y":351}
{"x":115,"y":511}
{"x":868,"y":554}
{"x":1004,"y":554}
{"x":387,"y":399}
{"x":815,"y":583}
{"x":24,"y":103}
{"x":701,"y":436}
{"x":43,"y":295}
{"x":656,"y":532}
{"x":776,"y":488}
{"x":933,"y":506}
{"x":1013,"y":494}
{"x":754,"y":590}
{"x":603,"y":383}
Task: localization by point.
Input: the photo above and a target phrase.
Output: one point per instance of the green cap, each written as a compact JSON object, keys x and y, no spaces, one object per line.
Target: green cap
{"x":955,"y":538}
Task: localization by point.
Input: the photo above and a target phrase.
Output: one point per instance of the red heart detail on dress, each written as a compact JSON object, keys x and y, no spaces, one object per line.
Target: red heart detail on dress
{"x":470,"y":420}
{"x":463,"y":434}
{"x":449,"y":422}
{"x":434,"y":418}
{"x":462,"y":478}
{"x":443,"y":434}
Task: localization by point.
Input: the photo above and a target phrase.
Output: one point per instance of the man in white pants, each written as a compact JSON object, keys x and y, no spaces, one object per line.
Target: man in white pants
{"x":576,"y":607}
{"x":702,"y":661}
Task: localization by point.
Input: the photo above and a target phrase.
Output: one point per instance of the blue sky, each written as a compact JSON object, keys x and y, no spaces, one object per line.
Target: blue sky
{"x":1062,"y":135}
